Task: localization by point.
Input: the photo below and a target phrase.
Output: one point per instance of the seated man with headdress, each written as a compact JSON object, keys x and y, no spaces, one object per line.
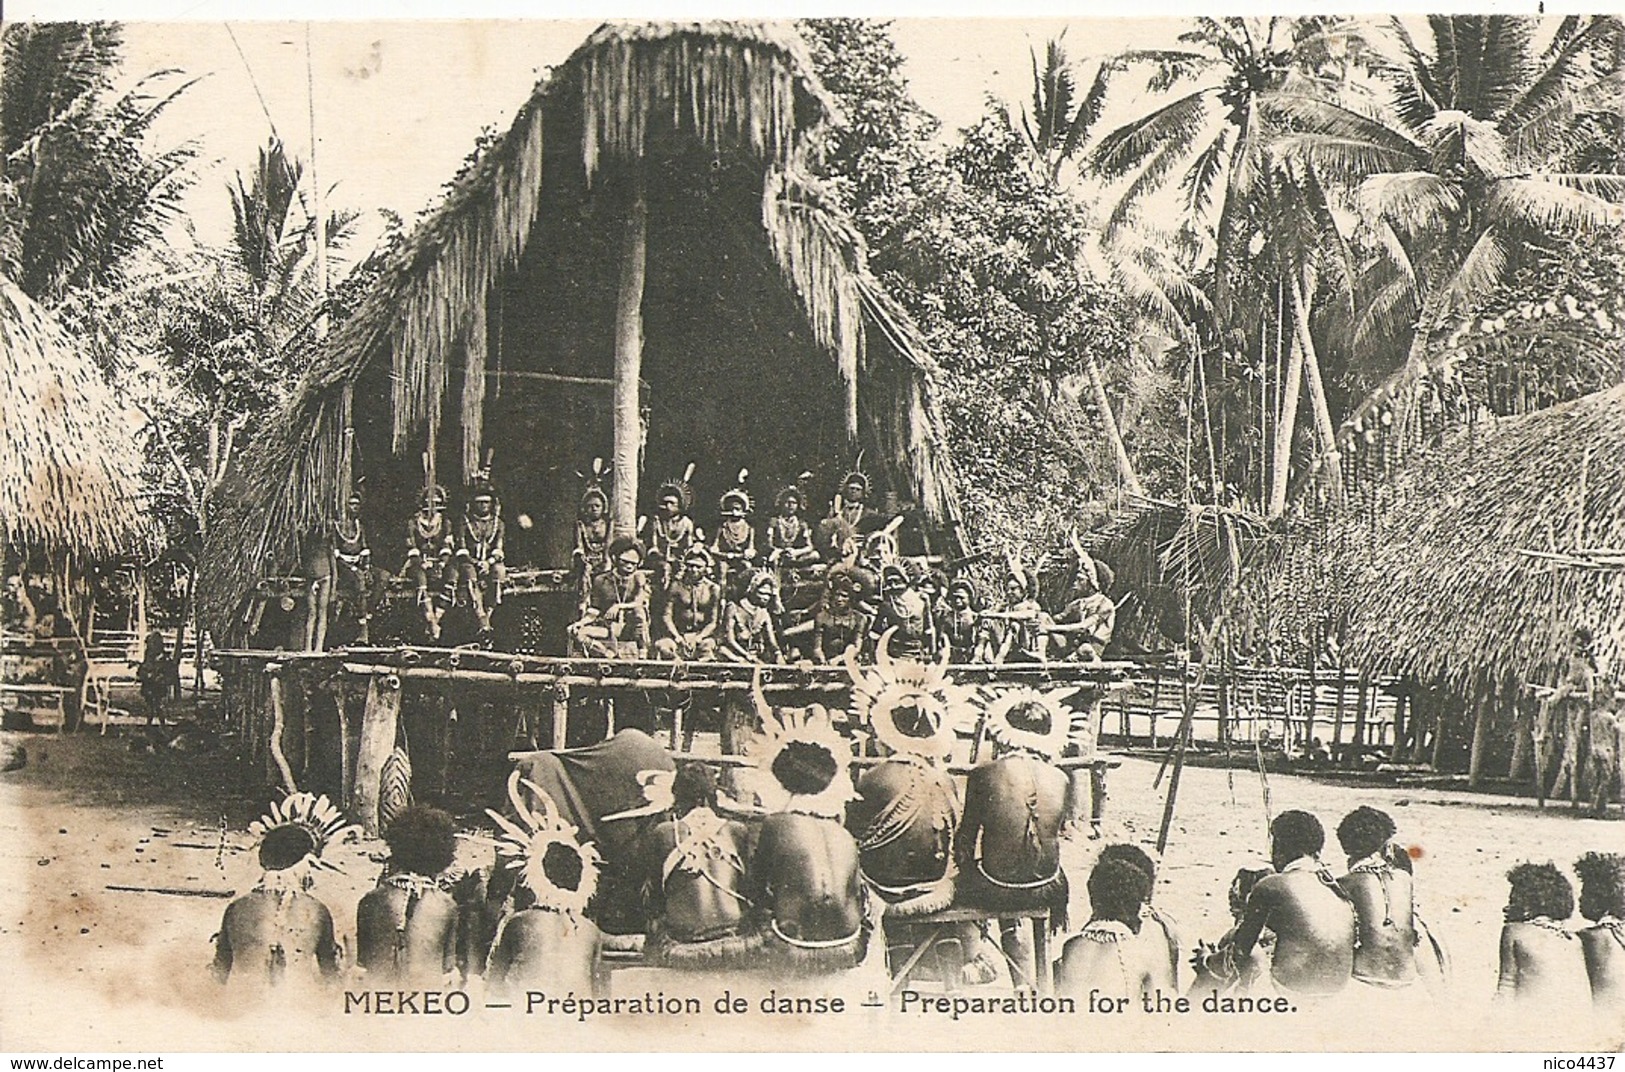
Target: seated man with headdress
{"x":1008,"y":846}
{"x":481,"y":550}
{"x":805,"y":876}
{"x":749,"y":634}
{"x":356,"y":581}
{"x":672,"y":531}
{"x":852,"y":506}
{"x":1313,"y":920}
{"x":838,"y":626}
{"x":1021,"y":623}
{"x":546,"y":941}
{"x":1115,"y":953}
{"x":733,"y":544}
{"x":1083,"y":628}
{"x":590,"y":554}
{"x":429,"y":546}
{"x":615,"y":624}
{"x":406,"y":928}
{"x":962,"y":626}
{"x":693,"y":610}
{"x":907,"y":809}
{"x":694,"y":873}
{"x":789,"y":536}
{"x":904,"y":616}
{"x":278,"y":932}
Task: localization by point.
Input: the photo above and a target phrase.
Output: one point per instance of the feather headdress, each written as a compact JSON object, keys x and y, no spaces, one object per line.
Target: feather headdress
{"x":1046,"y":743}
{"x":319,"y":819}
{"x":595,"y":484}
{"x":736,"y":502}
{"x":805,"y":760}
{"x":919,"y":692}
{"x":679,"y":486}
{"x":544,"y":841}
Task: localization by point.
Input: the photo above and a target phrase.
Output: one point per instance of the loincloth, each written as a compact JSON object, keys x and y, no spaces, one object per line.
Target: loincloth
{"x":977,"y":889}
{"x":730,"y":951}
{"x":919,"y":899}
{"x":792,"y":956}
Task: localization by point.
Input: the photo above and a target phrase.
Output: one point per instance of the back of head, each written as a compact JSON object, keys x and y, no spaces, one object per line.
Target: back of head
{"x":1363,"y":831}
{"x":1602,"y":885}
{"x":421,"y":840}
{"x":1117,"y":890}
{"x":694,"y":786}
{"x":1538,"y":890}
{"x":1295,"y":834}
{"x":285,"y":846}
{"x":1132,"y":855}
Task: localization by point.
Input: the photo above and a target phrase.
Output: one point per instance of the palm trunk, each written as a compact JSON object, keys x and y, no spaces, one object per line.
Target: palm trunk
{"x":1317,"y":389}
{"x":1286,"y":423}
{"x":1125,"y":465}
{"x":629,"y":359}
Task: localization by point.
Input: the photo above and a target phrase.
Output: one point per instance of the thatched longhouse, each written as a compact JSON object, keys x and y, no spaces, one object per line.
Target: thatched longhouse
{"x":649,"y":203}
{"x":1468,"y":574}
{"x":70,"y":467}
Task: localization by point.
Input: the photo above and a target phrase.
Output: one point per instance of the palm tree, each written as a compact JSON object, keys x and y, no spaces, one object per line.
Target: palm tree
{"x":1450,"y":163}
{"x":79,"y":189}
{"x":1232,"y":188}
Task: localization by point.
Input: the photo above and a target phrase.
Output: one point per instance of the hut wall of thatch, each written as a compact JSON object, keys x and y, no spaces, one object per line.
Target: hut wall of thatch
{"x":1431,"y":578}
{"x":767,"y":344}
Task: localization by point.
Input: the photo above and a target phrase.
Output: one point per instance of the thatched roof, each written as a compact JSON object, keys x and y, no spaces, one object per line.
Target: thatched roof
{"x":1430,"y":580}
{"x":69,"y":465}
{"x":737,"y":85}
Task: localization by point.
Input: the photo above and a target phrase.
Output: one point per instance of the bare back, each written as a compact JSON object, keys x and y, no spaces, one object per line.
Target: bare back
{"x":807,"y":869}
{"x":266,"y":937}
{"x":701,"y":893}
{"x":896,"y":852}
{"x":1014,"y":807}
{"x":1384,"y":909}
{"x":1314,"y":931}
{"x":399,"y":936}
{"x":1542,"y":966}
{"x":542,"y":949}
{"x":1133,"y":965}
{"x":1604,"y":949}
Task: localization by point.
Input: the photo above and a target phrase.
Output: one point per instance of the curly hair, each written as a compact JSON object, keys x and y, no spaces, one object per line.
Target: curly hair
{"x":1538,"y":890}
{"x":1117,"y":889}
{"x":1296,"y":833}
{"x":1364,"y":830}
{"x":421,"y":840}
{"x":285,"y":846}
{"x":1602,"y":885}
{"x":1132,"y":855}
{"x":693,"y":786}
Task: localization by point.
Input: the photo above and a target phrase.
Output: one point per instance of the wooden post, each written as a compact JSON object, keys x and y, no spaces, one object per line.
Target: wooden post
{"x":1337,"y":717}
{"x":378,"y":724}
{"x":279,"y":726}
{"x":1224,"y":695}
{"x":1484,"y":704}
{"x":346,"y":741}
{"x":1440,"y":724}
{"x":561,"y":716}
{"x":629,"y":357}
{"x":1361,"y":708}
{"x":1401,"y":710}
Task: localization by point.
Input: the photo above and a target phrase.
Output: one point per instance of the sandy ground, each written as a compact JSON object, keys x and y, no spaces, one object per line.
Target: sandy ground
{"x":96,"y":969}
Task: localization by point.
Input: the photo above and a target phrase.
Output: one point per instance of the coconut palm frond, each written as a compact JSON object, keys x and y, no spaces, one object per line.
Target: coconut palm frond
{"x":1150,"y":177}
{"x":1479,"y":272}
{"x":1132,"y":144}
{"x":1413,"y":201}
{"x":1200,"y":177}
{"x":1547,"y":206}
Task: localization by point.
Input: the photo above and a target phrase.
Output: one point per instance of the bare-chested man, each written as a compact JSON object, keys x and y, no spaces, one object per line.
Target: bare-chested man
{"x":1383,"y":900}
{"x":1115,"y":952}
{"x":748,"y":632}
{"x":278,"y":933}
{"x":1008,"y":846}
{"x":694,"y":865}
{"x":805,"y":874}
{"x":406,"y":928}
{"x":547,"y":941}
{"x":1542,"y":965}
{"x":693,"y":611}
{"x":1313,"y":921}
{"x":615,"y":624}
{"x":1602,"y":901}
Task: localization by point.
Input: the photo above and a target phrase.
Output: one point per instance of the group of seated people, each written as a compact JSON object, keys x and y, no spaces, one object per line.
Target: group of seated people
{"x":681,"y":597}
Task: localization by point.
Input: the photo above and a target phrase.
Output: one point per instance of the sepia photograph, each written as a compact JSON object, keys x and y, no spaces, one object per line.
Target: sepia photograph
{"x":827,"y":534}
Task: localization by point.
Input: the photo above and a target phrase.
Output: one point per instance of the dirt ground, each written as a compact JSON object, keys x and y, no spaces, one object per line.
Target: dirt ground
{"x":93,"y":968}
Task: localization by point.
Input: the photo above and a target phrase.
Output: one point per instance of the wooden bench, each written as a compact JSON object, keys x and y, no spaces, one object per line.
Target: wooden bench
{"x":54,"y":701}
{"x":952,"y":967}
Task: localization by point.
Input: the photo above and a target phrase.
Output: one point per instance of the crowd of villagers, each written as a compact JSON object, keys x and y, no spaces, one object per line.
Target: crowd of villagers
{"x":793,"y":869}
{"x":672,"y":592}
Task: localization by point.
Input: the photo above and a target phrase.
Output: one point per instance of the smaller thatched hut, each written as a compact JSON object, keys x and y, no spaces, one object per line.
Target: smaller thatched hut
{"x":70,"y":467}
{"x":1468,"y":574}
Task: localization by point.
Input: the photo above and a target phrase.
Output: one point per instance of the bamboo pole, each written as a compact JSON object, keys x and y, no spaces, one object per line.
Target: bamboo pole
{"x":629,"y":357}
{"x":1286,"y":422}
